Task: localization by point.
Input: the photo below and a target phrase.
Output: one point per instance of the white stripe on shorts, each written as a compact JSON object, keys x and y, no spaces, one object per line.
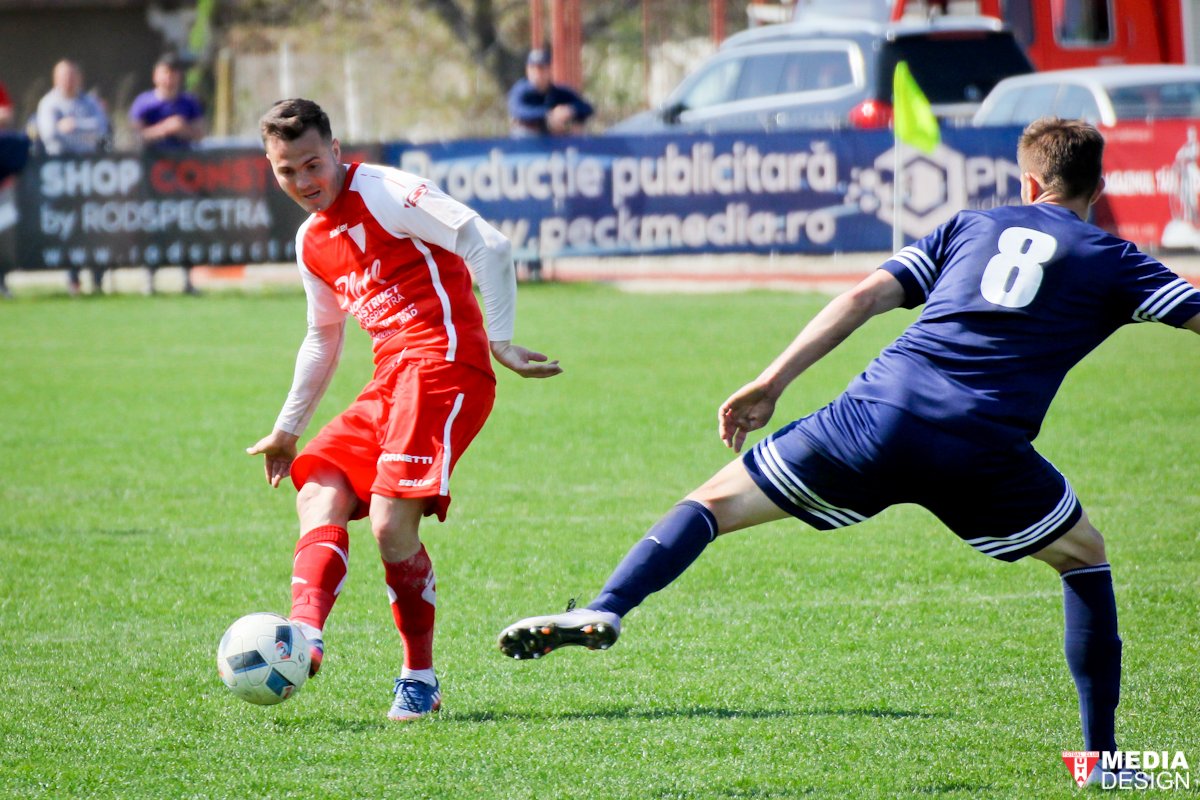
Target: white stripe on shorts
{"x":444,"y":489}
{"x":790,"y":486}
{"x":998,"y":545}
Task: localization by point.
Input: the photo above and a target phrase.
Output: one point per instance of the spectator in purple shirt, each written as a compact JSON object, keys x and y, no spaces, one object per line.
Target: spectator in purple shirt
{"x":168,"y":118}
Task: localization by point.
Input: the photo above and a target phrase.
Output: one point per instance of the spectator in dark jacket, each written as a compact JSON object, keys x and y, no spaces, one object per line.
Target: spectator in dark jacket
{"x":540,"y":107}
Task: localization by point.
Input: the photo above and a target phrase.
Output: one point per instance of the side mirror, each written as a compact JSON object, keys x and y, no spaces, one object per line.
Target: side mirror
{"x":670,"y":114}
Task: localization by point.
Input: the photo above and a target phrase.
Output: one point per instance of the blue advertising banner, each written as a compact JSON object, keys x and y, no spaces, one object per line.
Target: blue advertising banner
{"x":807,"y":192}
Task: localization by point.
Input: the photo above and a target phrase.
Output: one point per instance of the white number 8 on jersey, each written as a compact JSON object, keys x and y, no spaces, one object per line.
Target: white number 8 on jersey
{"x":1014,"y":275}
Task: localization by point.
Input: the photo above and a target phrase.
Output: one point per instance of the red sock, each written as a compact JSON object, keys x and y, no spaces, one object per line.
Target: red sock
{"x":412,"y":588}
{"x":322,"y":557}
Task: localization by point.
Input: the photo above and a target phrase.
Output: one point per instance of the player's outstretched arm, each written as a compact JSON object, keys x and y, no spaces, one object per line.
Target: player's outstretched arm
{"x":751,"y":407}
{"x":280,"y":451}
{"x":526,"y":363}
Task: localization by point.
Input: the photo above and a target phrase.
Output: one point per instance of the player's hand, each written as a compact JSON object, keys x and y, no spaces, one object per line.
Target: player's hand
{"x":175,"y":124}
{"x":560,"y":118}
{"x":747,"y":409}
{"x":526,"y":363}
{"x":280,"y":450}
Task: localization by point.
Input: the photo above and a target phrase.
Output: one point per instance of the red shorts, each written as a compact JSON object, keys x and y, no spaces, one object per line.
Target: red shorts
{"x":403,"y":434}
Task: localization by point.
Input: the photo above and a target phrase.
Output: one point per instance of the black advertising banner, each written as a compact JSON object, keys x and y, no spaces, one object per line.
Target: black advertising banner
{"x":196,"y":207}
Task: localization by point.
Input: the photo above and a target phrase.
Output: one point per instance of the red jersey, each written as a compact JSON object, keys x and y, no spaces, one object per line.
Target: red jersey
{"x":384,"y":252}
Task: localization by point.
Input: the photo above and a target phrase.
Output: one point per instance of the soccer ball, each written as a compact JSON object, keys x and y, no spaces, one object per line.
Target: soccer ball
{"x":263,"y":658}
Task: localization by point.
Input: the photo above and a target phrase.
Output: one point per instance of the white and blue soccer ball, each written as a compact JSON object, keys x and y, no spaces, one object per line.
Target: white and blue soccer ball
{"x":263,"y":658}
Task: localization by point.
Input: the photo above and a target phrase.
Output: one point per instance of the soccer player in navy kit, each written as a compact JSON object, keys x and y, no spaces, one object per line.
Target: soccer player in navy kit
{"x":944,"y":417}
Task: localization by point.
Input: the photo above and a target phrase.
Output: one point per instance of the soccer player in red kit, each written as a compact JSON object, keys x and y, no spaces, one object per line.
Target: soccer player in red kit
{"x":391,"y":249}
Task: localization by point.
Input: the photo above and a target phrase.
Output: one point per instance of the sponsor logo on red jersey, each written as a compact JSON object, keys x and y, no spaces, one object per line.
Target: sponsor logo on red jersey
{"x":415,"y":196}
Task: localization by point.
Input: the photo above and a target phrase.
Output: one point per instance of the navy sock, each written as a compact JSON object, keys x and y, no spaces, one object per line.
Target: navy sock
{"x":670,"y":546}
{"x":1093,"y":651}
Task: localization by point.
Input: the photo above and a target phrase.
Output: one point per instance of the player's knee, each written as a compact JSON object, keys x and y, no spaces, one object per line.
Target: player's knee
{"x":396,"y":542}
{"x":1082,"y":546}
{"x":395,"y":526}
{"x":320,"y":500}
{"x":1091,"y":544}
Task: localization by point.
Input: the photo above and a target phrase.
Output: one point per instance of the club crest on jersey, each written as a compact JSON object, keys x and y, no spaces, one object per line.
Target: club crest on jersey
{"x":415,"y":196}
{"x":355,"y":286}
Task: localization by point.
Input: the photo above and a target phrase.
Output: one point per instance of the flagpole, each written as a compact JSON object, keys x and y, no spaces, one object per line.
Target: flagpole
{"x":913,"y":123}
{"x":897,"y":204}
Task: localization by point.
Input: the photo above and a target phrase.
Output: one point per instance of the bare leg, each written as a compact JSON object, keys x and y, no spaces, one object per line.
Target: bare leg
{"x":735,"y":500}
{"x":325,"y":499}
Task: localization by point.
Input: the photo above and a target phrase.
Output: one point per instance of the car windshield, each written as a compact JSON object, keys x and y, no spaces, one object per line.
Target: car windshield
{"x":1156,"y":101}
{"x":713,"y":86}
{"x":765,"y":74}
{"x":954,"y":66}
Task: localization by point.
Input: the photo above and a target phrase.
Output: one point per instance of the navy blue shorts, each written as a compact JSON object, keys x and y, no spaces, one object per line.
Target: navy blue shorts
{"x":854,"y":458}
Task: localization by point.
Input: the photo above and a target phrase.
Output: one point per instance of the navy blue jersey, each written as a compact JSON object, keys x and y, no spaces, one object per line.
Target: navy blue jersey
{"x":1014,"y":297}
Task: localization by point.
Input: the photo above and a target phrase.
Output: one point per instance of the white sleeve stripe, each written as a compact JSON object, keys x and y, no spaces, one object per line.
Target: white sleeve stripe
{"x":1164,"y":294}
{"x":923,"y":257}
{"x":1164,"y":300}
{"x":920,"y":261}
{"x":911,"y":263}
{"x":915,"y":270}
{"x":1171,"y":306}
{"x":912,"y":269}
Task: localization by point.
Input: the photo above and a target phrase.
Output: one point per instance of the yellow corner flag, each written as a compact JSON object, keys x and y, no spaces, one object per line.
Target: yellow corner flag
{"x":914,"y":121}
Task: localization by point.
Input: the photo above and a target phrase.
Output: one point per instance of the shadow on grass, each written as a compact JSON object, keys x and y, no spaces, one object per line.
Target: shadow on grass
{"x":964,"y":789}
{"x":466,"y":717}
{"x":681,"y":713}
{"x":756,"y":794}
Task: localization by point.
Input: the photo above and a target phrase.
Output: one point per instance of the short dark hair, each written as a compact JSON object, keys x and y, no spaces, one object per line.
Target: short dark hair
{"x":171,"y":61}
{"x":291,"y":119}
{"x":1067,"y":155}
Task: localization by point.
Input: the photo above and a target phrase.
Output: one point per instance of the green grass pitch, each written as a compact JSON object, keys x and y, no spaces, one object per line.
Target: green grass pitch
{"x":887,"y":660}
